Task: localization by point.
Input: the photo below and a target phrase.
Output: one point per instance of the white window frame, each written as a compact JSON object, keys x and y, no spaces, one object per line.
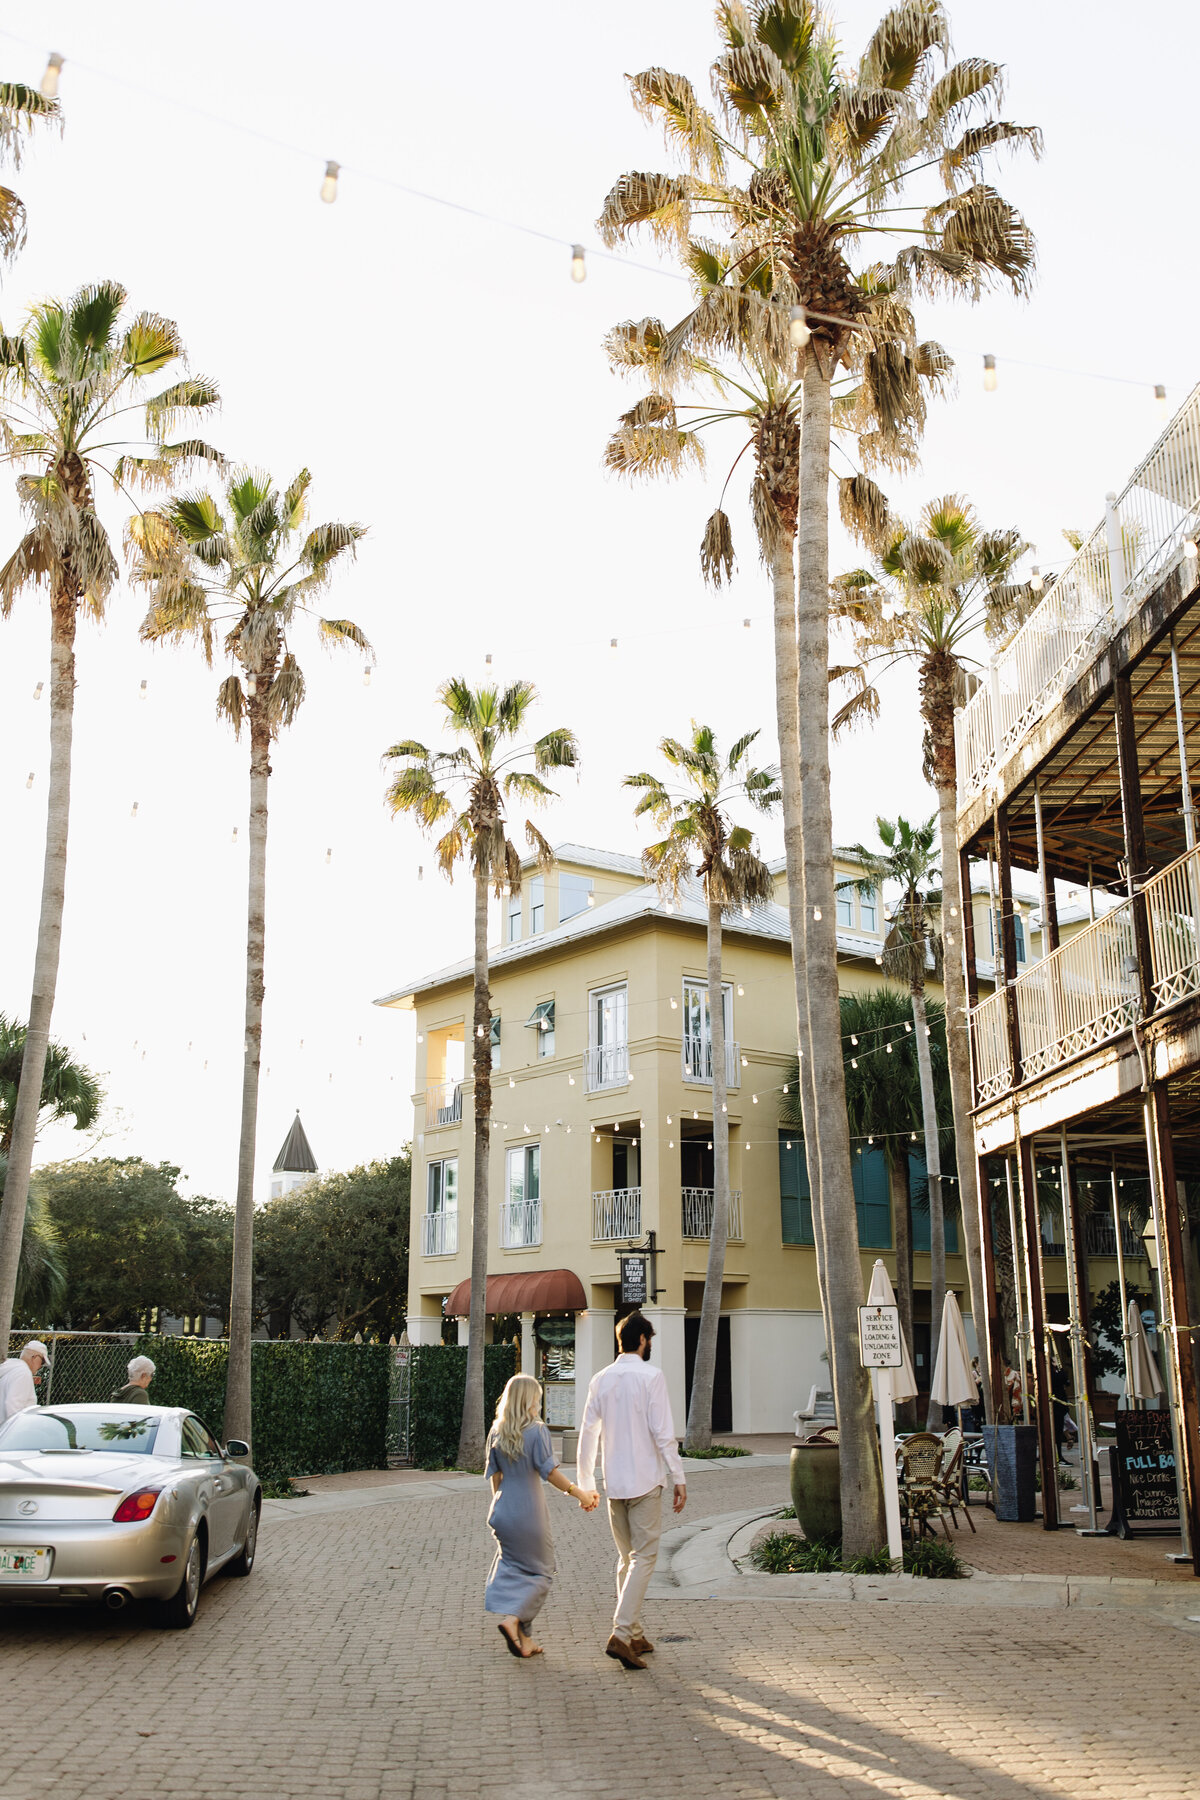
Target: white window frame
{"x":869,"y":905}
{"x":521,"y":1217}
{"x":441,"y":1164}
{"x":537,"y":905}
{"x":844,"y":899}
{"x":513,"y":917}
{"x":608,"y":1062}
{"x":699,"y":984}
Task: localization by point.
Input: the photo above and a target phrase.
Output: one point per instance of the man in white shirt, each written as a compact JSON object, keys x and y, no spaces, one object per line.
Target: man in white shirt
{"x":17,"y":1390}
{"x":628,"y":1416}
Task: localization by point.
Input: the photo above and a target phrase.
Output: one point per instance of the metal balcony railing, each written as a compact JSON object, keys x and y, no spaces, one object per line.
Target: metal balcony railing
{"x":698,"y":1212}
{"x":1173,"y":918}
{"x":443,"y":1103}
{"x":989,"y":1048}
{"x":520,"y":1224}
{"x":616,"y":1215}
{"x":439,"y":1234}
{"x":1081,"y":994}
{"x":1142,"y":537}
{"x":1100,"y":1238}
{"x":606,"y":1065}
{"x":697,"y":1062}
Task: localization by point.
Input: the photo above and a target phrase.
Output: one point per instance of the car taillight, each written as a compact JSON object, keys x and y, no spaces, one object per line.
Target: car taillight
{"x":136,"y":1506}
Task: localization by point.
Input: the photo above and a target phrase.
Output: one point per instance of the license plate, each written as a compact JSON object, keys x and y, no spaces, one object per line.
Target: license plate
{"x":17,"y":1564}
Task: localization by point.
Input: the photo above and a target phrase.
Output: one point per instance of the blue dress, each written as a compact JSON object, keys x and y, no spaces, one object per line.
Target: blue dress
{"x":519,"y":1579}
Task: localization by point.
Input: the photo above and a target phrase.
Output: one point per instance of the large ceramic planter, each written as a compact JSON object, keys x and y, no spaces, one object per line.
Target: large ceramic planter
{"x":816,"y":1476}
{"x":1012,"y":1454}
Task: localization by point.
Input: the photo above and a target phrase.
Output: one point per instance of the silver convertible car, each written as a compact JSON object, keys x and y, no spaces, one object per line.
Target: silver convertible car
{"x":118,"y":1503}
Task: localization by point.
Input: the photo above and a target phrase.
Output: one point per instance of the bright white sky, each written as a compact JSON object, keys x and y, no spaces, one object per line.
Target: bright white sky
{"x":444,"y":380}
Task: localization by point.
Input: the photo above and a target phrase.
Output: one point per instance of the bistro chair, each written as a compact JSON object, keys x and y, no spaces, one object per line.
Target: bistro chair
{"x":952,"y":1480}
{"x":921,"y":1495}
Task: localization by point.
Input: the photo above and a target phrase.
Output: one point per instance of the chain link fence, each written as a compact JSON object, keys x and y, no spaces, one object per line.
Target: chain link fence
{"x":84,"y":1365}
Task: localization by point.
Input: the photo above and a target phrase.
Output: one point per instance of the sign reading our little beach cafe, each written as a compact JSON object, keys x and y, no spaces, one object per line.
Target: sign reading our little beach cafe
{"x":879,"y":1337}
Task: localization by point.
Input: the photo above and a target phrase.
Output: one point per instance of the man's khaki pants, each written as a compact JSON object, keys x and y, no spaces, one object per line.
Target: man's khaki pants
{"x":636,"y":1528}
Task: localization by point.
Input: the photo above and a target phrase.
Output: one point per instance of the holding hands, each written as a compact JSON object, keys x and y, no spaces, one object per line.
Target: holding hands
{"x":589,"y":1499}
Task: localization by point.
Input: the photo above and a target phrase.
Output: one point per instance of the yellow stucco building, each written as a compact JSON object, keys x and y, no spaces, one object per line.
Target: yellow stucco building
{"x":602,"y":1132}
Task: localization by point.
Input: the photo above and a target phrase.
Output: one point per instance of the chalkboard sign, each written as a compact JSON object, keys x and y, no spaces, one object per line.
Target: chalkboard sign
{"x":1143,"y":1474}
{"x":633,"y":1280}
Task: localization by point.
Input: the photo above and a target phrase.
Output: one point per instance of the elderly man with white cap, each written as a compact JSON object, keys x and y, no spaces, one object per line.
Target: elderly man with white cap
{"x":141,"y":1374}
{"x":17,"y":1389}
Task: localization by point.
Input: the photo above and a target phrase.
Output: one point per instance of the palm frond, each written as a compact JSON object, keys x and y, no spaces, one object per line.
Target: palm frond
{"x":862,"y":708}
{"x":716,"y":550}
{"x":543,"y":853}
{"x":639,"y":451}
{"x":864,"y":511}
{"x":558,"y":749}
{"x":670,"y":101}
{"x":662,"y":203}
{"x":231,"y":703}
{"x":285,"y":695}
{"x":344,"y":632}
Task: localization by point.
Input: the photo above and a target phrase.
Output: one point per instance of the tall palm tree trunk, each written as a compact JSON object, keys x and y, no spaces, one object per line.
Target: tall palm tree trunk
{"x":901,"y":1201}
{"x":958,"y":1056}
{"x":933,"y":1170}
{"x":473,"y":1433}
{"x":779,"y":458}
{"x":699,"y":1419}
{"x":863,"y":1525}
{"x":239,"y":1422}
{"x":49,"y":942}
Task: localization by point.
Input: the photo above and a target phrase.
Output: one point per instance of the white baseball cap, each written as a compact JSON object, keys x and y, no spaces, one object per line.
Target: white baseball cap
{"x":35,"y":1344}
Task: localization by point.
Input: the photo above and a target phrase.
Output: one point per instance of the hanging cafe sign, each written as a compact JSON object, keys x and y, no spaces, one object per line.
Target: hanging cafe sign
{"x":633,"y":1280}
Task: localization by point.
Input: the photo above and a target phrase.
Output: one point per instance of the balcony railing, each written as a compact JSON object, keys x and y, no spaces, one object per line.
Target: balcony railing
{"x":443,"y":1103}
{"x":1119,"y":564}
{"x":698,"y":1212}
{"x":1083,"y":993}
{"x":697,"y":1062}
{"x":989,"y":1048}
{"x":1173,"y":918}
{"x":616,"y":1215}
{"x":520,"y":1224}
{"x":1099,"y":1239}
{"x":606,"y":1066}
{"x":439,"y":1234}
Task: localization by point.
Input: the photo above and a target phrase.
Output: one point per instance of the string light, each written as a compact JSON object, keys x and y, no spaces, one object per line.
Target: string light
{"x":674,"y":1004}
{"x":889,"y":1049}
{"x":908,"y":1027}
{"x":29,"y":779}
{"x":133,"y":811}
{"x":754,"y":1097}
{"x":488,"y":659}
{"x":570,"y":1080}
{"x":612,"y":643}
{"x":853,"y":1040}
{"x":741,"y":990}
{"x":233,"y":839}
{"x":37,"y":692}
{"x":1189,"y":550}
{"x":1036,"y":580}
{"x":989,"y":374}
{"x":1160,"y":396}
{"x":50,"y":78}
{"x":817,"y":914}
{"x":668,"y":1118}
{"x":511,"y":1082}
{"x":330,"y":183}
{"x":785,"y":1087}
{"x":799,"y":334}
{"x":854,"y":1062}
{"x":745,"y":1064}
{"x":366,"y":674}
{"x":328,"y":857}
{"x":578,"y":264}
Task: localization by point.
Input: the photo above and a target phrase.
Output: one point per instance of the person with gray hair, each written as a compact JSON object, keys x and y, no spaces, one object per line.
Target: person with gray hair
{"x":17,"y":1377}
{"x":141,"y":1374}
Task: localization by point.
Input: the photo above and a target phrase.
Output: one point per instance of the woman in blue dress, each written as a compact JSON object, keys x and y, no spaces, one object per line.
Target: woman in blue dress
{"x":519,"y":1460}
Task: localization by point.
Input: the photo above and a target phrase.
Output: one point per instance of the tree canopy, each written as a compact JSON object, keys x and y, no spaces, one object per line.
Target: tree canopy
{"x":334,"y":1254}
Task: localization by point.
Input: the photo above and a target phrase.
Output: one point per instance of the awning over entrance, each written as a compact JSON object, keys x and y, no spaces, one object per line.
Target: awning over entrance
{"x":539,"y":1290}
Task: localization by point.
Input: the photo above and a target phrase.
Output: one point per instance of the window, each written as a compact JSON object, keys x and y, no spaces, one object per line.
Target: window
{"x":521,"y":1214}
{"x":1018,"y":932}
{"x":868,"y":911}
{"x":608,"y":1036}
{"x":871,"y":1199}
{"x":65,"y":1429}
{"x":441,"y":1192}
{"x":537,"y":905}
{"x":918,"y":1188}
{"x":574,"y":896}
{"x":197,"y":1440}
{"x":541,"y":1020}
{"x":795,"y":1197}
{"x":514,"y":918}
{"x":495,"y":1039}
{"x":845,"y":909}
{"x":697,"y":1034}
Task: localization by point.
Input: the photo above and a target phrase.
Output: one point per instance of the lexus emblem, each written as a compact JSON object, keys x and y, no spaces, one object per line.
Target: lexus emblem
{"x":27,"y":1507}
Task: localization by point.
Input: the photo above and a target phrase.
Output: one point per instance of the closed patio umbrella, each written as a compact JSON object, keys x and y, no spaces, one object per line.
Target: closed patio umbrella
{"x":1147,"y":1381}
{"x":904,"y":1382}
{"x":888,"y":1386}
{"x":953,"y":1382}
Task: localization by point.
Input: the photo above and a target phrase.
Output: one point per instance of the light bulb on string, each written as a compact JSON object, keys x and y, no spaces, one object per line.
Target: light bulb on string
{"x":1160,"y":401}
{"x":141,"y":690}
{"x":133,"y":811}
{"x":1036,"y":580}
{"x":908,"y":1027}
{"x":37,"y":692}
{"x":745,"y":910}
{"x":420,"y":1037}
{"x":889,"y":1049}
{"x":817,"y":914}
{"x":328,"y":857}
{"x":789,"y":1143}
{"x":741,"y":990}
{"x":612,"y":643}
{"x":29,"y":779}
{"x":989,"y":374}
{"x":366,"y":674}
{"x":50,"y":78}
{"x":570,"y":1081}
{"x":329,"y":186}
{"x":754,"y":1098}
{"x":745,"y":624}
{"x":745,"y":1063}
{"x":511,"y":1082}
{"x":233,"y":839}
{"x":853,"y":1040}
{"x":695,"y":1115}
{"x":799,"y":335}
{"x":1189,"y":549}
{"x":668,"y":1118}
{"x":674,"y":1004}
{"x":785,"y":1087}
{"x":578,"y":263}
{"x":854,"y":1062}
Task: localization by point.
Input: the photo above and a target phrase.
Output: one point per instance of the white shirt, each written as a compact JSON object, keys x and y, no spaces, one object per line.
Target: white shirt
{"x":628,"y":1417}
{"x":16,"y":1388}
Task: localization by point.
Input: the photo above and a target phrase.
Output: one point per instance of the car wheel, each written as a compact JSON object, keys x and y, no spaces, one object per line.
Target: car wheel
{"x":179,"y":1612}
{"x":243,"y":1562}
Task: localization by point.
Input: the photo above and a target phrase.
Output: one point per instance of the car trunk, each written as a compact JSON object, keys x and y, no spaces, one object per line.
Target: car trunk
{"x":63,"y":1490}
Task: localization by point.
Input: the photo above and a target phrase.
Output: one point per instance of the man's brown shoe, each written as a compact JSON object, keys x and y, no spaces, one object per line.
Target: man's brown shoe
{"x":623,"y":1652}
{"x":641,"y":1646}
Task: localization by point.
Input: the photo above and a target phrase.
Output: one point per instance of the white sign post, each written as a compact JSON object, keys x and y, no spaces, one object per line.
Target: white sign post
{"x":882,"y":1351}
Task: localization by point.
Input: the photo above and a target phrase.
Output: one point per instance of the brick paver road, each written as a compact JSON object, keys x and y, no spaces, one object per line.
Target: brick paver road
{"x":356,"y":1664}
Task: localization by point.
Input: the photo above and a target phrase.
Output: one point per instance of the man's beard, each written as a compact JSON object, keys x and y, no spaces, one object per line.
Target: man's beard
{"x":645,"y":1350}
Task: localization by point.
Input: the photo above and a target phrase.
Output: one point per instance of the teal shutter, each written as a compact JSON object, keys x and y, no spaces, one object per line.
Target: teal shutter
{"x":872,"y":1201}
{"x":795,"y":1197}
{"x":919,"y":1188}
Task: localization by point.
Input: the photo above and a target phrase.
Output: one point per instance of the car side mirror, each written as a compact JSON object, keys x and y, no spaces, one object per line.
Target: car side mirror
{"x":235,"y":1447}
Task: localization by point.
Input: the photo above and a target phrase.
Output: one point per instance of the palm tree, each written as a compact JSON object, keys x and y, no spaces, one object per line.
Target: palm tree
{"x":254,"y":569}
{"x":69,"y":382}
{"x":912,"y":948}
{"x":825,"y":155}
{"x":701,"y":844}
{"x":69,"y":1090}
{"x":42,"y":1274}
{"x":932,"y":590}
{"x":465,"y":789}
{"x":21,"y":109}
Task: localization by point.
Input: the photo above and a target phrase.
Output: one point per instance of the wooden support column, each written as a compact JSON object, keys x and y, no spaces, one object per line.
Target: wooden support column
{"x":1031,"y":1237}
{"x":1134,"y":825}
{"x":972,"y":970}
{"x":991,"y":1354}
{"x":1008,"y":939}
{"x":1051,"y":917}
{"x":1178,"y":1322}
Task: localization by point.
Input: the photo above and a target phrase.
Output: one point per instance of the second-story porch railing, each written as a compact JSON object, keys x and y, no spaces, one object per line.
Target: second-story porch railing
{"x":443,"y":1103}
{"x":1142,"y":536}
{"x":616,"y":1215}
{"x":698,"y":1212}
{"x":520,"y":1224}
{"x":439,"y":1233}
{"x":1173,"y":919}
{"x":606,"y":1065}
{"x":989,"y":1048}
{"x":697,"y":1062}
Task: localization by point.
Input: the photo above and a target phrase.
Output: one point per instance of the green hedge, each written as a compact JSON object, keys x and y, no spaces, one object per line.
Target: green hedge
{"x":439,"y":1383}
{"x":317,"y":1408}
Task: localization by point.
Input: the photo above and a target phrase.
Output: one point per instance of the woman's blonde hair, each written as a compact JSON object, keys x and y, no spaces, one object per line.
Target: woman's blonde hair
{"x":520,"y":1405}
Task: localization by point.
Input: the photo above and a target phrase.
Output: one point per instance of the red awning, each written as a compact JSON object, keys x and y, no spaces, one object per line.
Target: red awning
{"x":540,"y":1290}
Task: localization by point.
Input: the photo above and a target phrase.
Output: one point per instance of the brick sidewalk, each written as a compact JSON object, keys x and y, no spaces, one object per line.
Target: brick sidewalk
{"x":357,"y":1664}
